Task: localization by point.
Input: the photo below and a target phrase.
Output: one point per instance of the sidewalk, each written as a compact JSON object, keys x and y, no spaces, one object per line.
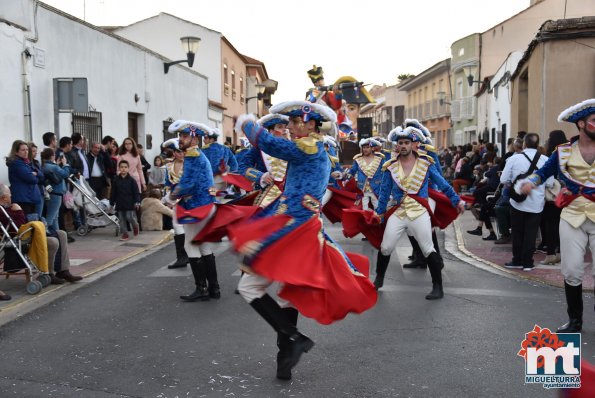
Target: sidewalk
{"x":497,"y":255}
{"x":99,"y":250}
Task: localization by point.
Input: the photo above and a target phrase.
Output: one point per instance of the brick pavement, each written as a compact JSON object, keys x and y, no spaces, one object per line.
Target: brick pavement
{"x":497,"y":255}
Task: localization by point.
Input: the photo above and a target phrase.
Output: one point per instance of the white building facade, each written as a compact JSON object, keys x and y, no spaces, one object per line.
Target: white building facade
{"x":162,"y":34}
{"x":127,"y":92}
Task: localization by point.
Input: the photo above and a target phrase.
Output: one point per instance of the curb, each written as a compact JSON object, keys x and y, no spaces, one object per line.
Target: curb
{"x":460,"y":243}
{"x":33,"y":302}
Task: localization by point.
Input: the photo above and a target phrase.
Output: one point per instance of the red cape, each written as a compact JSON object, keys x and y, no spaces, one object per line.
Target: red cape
{"x":225,"y":216}
{"x":316,"y":277}
{"x":238,"y":180}
{"x":341,"y":199}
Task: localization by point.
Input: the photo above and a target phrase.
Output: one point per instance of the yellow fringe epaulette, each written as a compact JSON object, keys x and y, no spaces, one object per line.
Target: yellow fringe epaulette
{"x":334,"y":160}
{"x":387,"y":164}
{"x":359,"y":155}
{"x":192,"y":152}
{"x":430,"y":148}
{"x":424,"y":155}
{"x":308,"y":144}
{"x":379,"y":154}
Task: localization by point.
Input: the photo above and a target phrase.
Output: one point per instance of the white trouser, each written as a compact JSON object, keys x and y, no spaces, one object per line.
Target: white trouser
{"x":573,"y":246}
{"x":253,"y":286}
{"x":368,"y":198}
{"x":420,"y":228}
{"x":220,"y":184}
{"x":432,"y":204}
{"x":328,"y":194}
{"x":178,"y":228}
{"x":191,"y":230}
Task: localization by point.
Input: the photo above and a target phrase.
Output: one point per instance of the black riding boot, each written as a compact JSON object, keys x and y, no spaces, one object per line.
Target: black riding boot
{"x":381,"y":266}
{"x":435,"y":265}
{"x":435,"y":241}
{"x":214,"y":291}
{"x":419,"y":261}
{"x":283,"y":371}
{"x":574,"y":301}
{"x":296,"y":343}
{"x":181,"y":256}
{"x":199,"y":272}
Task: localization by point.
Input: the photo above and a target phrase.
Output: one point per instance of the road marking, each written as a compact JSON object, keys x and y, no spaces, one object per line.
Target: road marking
{"x":462,"y":291}
{"x":79,"y":261}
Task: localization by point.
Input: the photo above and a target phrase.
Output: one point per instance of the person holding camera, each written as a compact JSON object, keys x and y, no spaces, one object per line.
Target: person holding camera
{"x":525,"y":210}
{"x":55,"y":173}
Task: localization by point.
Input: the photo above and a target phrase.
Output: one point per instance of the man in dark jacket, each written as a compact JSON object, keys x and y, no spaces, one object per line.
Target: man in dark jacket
{"x":97,"y":177}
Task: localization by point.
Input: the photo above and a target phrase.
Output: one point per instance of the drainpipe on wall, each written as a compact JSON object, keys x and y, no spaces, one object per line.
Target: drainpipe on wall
{"x":25,"y":56}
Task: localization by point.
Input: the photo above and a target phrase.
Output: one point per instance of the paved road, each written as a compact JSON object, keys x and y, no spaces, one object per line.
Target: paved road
{"x":128,"y":335}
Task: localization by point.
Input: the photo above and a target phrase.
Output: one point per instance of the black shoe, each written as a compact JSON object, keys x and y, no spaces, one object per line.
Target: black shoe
{"x":528,"y":268}
{"x":436,"y":293}
{"x":491,"y":236}
{"x":417,"y":263}
{"x":70,"y":239}
{"x":504,"y":239}
{"x":296,"y":346}
{"x":476,"y":231}
{"x":180,"y":263}
{"x":573,"y":325}
{"x":215,"y":292}
{"x":512,"y":265}
{"x":200,"y":294}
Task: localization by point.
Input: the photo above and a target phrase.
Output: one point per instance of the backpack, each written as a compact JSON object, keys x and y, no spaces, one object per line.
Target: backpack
{"x":518,"y":197}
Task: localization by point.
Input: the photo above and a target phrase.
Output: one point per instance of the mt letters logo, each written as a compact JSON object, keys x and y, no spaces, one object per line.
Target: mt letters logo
{"x":552,"y":359}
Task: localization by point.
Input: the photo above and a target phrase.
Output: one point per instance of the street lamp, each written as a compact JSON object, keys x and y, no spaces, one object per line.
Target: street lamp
{"x":441,"y":97}
{"x":260,"y":92}
{"x":190,"y":46}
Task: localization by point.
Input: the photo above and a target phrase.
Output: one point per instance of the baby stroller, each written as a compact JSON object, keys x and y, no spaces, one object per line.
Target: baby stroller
{"x":95,"y":210}
{"x":14,"y":258}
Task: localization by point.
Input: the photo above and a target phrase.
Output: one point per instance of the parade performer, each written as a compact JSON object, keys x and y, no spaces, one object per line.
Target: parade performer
{"x":380,"y":149}
{"x":572,"y":164}
{"x":318,"y":278}
{"x":173,"y":173}
{"x":221,"y":158}
{"x":267,"y":172}
{"x":367,"y":170}
{"x":406,"y":178}
{"x":336,"y":198}
{"x":196,"y":210}
{"x":245,"y":147}
{"x":425,"y":145}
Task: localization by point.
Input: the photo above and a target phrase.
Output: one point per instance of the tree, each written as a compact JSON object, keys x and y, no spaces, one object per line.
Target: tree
{"x":404,"y":76}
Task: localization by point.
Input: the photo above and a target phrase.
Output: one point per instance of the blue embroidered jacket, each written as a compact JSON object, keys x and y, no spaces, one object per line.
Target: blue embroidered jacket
{"x":252,"y":166}
{"x":240,"y":155}
{"x":217,"y":153}
{"x":194,"y":187}
{"x":556,"y":165}
{"x":368,"y":174}
{"x":430,"y":150}
{"x":391,"y":185}
{"x":335,"y":165}
{"x":307,"y":161}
